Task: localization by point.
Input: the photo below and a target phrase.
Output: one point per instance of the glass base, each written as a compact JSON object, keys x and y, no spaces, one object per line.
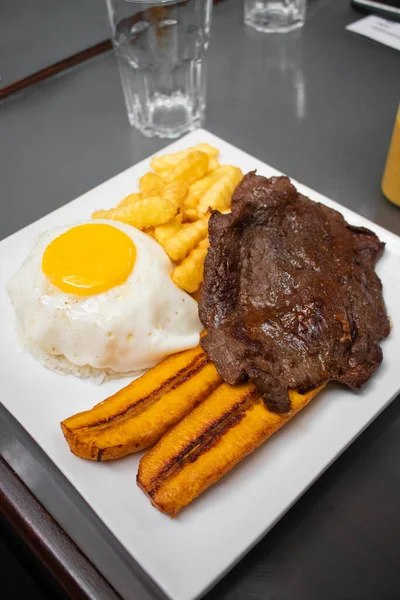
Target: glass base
{"x":168,"y":117}
{"x":271,"y":20}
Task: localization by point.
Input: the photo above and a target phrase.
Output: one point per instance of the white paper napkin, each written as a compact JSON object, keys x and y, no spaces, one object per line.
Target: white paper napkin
{"x":378,"y":29}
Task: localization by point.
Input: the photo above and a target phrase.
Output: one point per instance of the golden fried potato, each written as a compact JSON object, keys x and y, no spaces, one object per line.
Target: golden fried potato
{"x":199,"y":188}
{"x":197,"y":191}
{"x":129,"y":200}
{"x":181,"y":184}
{"x":175,"y":191}
{"x":163,"y":232}
{"x":162,"y":163}
{"x":219,"y":195}
{"x":189,"y":214}
{"x":189,"y":274}
{"x":164,"y":174}
{"x":167,"y":161}
{"x":187,"y":238}
{"x":213,"y":163}
{"x":145,"y":213}
{"x":211,"y":151}
{"x":151,"y":184}
{"x":191,"y":168}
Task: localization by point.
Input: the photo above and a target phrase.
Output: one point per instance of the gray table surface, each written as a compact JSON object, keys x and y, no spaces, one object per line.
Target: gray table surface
{"x":319,"y":105}
{"x":35,"y":35}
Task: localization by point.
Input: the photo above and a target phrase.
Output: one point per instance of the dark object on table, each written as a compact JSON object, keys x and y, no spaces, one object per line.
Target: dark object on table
{"x":389,"y":9}
{"x":290,"y":297}
{"x":69,"y":573}
{"x":22,"y":575}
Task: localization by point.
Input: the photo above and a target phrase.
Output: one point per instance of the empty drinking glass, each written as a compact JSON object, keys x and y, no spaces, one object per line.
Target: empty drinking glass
{"x":275,"y":16}
{"x":160,"y":48}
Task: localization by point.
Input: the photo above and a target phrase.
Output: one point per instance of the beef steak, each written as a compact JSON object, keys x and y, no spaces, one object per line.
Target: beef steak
{"x":290,"y":297}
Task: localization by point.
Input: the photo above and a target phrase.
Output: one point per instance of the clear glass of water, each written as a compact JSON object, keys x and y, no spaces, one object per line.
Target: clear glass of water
{"x":160,"y":48}
{"x":275,"y":16}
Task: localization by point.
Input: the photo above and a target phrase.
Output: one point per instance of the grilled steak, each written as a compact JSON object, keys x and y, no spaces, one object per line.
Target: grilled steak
{"x":290,"y":297}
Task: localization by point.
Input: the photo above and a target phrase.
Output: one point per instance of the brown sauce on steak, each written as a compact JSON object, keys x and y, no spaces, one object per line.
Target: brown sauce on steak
{"x":290,"y":297}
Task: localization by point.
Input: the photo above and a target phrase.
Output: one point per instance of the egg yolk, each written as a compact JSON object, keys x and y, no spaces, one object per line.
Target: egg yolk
{"x":89,"y":259}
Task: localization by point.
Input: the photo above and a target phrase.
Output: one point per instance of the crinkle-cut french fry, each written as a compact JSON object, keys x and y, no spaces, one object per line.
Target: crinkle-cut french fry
{"x":163,"y":232}
{"x":175,"y":191}
{"x":219,"y":195}
{"x":198,"y":189}
{"x":151,"y":184}
{"x":161,"y":163}
{"x":187,"y":238}
{"x":189,"y":214}
{"x":145,"y":213}
{"x":213,"y":163}
{"x":164,"y":174}
{"x":211,"y":151}
{"x":188,"y":275}
{"x":204,"y":243}
{"x":230,"y":424}
{"x":191,"y":168}
{"x":128,"y":200}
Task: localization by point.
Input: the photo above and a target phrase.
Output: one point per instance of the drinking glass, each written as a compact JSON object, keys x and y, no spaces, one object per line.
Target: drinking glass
{"x":275,"y":16}
{"x":160,"y":48}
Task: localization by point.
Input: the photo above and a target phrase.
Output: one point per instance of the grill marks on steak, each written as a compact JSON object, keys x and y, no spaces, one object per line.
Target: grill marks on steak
{"x":290,"y":297}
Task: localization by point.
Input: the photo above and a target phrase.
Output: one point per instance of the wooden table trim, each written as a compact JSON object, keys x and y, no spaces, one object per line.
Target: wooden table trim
{"x":72,"y":570}
{"x":58,"y":67}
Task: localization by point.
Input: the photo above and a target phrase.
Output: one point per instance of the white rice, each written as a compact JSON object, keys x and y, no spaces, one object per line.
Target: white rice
{"x":60,"y":364}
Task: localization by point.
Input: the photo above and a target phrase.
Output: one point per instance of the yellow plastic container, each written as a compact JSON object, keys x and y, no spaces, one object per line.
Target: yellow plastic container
{"x":391,"y":175}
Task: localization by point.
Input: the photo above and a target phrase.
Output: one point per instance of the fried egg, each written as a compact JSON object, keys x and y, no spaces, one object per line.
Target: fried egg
{"x":99,"y":295}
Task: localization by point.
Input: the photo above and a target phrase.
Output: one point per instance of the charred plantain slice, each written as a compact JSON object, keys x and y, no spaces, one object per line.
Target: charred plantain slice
{"x":140,"y":413}
{"x":208,"y":443}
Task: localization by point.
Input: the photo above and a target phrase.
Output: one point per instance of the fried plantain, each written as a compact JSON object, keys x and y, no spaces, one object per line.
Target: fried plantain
{"x":140,"y":413}
{"x":226,"y":427}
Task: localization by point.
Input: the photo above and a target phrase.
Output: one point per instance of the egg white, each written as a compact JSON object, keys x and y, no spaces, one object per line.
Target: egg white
{"x":128,"y":328}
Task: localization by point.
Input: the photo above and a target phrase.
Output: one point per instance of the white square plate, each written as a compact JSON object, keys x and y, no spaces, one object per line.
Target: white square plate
{"x":187,"y":555}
